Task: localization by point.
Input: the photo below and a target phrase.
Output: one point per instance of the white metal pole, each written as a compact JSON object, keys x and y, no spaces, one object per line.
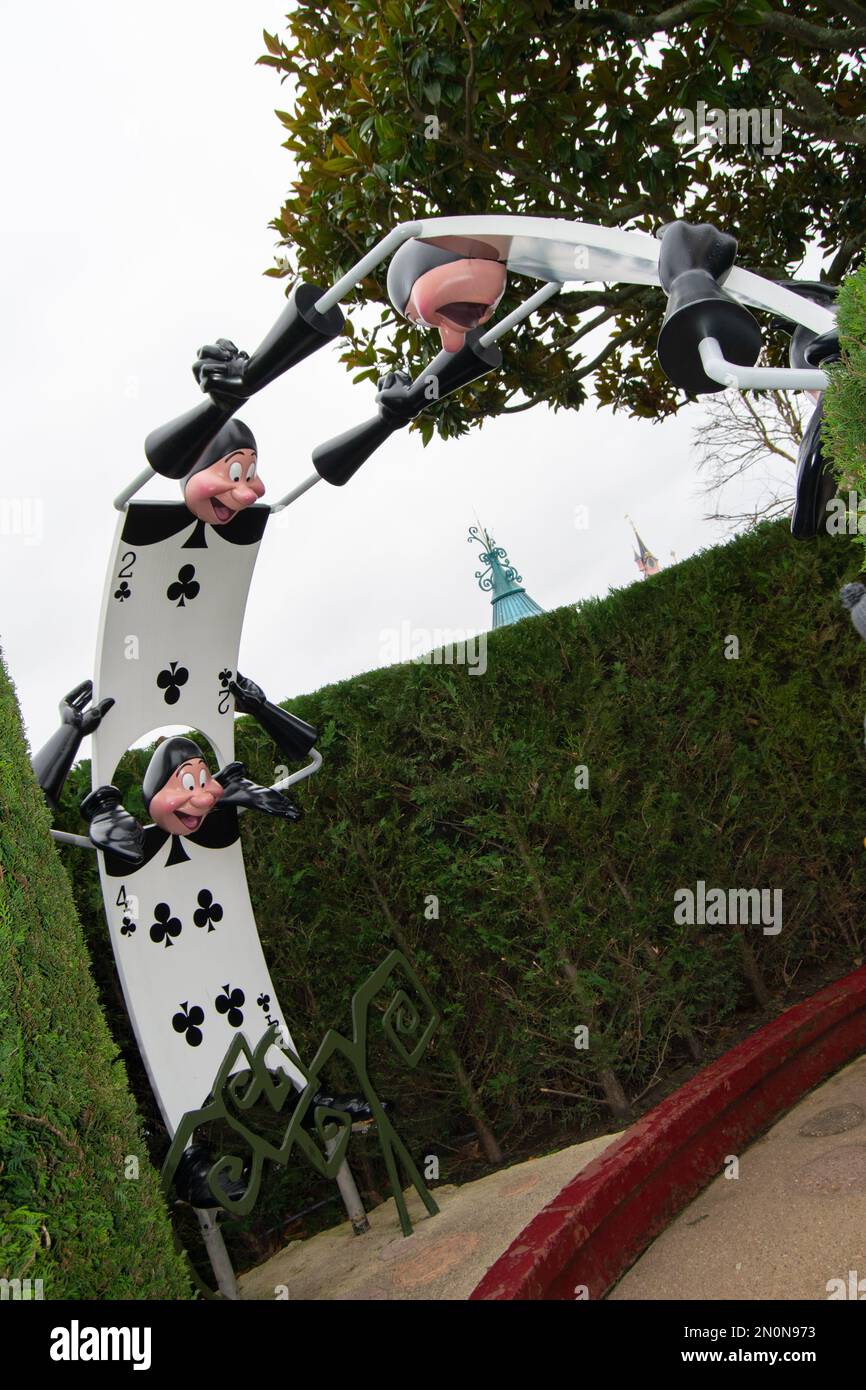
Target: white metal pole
{"x":64,"y":838}
{"x":379,"y":253}
{"x":521,"y":312}
{"x":307,"y":771}
{"x":297,"y":492}
{"x":132,"y":488}
{"x":718,"y":368}
{"x":349,"y":1193}
{"x":217,"y":1254}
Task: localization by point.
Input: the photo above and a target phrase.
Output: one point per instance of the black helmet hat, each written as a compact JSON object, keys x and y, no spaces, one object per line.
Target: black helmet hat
{"x":233,"y":435}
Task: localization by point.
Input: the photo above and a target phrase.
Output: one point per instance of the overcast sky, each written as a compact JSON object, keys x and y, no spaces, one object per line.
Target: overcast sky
{"x":142,"y":163}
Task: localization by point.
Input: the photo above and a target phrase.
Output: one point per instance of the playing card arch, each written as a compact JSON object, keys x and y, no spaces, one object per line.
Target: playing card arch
{"x":235,"y":1092}
{"x":708,"y":340}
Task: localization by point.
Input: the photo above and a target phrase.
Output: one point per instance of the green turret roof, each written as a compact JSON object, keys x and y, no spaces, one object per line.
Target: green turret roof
{"x":509,"y":600}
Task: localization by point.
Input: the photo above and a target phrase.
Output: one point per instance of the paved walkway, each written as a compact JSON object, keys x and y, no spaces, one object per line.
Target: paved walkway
{"x":445,"y":1256}
{"x":793,"y":1220}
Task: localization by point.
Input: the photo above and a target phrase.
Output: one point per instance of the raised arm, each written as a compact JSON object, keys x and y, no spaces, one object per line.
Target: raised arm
{"x":294,"y":737}
{"x":54,"y":760}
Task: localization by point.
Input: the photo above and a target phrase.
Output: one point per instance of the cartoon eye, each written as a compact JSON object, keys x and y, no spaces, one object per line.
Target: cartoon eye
{"x":235,"y":471}
{"x":202,"y":778}
{"x":251,"y":472}
{"x":188,"y":781}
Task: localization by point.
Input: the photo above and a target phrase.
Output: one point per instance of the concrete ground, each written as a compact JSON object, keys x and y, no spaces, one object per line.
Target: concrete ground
{"x":794,"y":1219}
{"x":445,"y":1256}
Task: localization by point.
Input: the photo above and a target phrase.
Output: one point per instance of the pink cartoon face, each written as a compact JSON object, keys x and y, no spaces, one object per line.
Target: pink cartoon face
{"x":188,"y":796}
{"x":456,"y":297}
{"x":219,"y":492}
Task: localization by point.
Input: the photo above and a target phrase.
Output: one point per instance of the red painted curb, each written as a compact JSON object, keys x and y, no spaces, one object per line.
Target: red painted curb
{"x":605,"y":1217}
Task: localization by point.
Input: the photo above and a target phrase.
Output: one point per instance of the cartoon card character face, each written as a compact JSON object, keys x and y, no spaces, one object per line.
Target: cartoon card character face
{"x":456,"y":297}
{"x":216,"y":494}
{"x":188,"y":795}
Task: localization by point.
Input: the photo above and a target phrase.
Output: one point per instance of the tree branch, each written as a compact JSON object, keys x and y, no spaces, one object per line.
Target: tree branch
{"x":645,"y":26}
{"x":631,"y":332}
{"x":848,"y":8}
{"x":843,"y":258}
{"x":812,"y":35}
{"x":468,"y":86}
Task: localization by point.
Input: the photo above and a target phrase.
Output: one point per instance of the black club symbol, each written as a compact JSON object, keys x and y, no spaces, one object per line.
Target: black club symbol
{"x":123,"y":592}
{"x":264,"y":1002}
{"x":225,"y":677}
{"x":165,"y":926}
{"x":127,"y":927}
{"x":170,"y":680}
{"x":186,"y":586}
{"x":207,"y":911}
{"x":187,"y":1021}
{"x":229,"y":1003}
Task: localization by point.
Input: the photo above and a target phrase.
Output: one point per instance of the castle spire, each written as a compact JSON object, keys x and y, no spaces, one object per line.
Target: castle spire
{"x":643,"y":558}
{"x":510,"y":601}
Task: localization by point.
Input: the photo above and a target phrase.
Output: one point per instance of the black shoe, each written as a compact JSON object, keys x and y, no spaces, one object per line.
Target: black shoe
{"x":111,"y":826}
{"x":356,"y":1106}
{"x":190,"y":1178}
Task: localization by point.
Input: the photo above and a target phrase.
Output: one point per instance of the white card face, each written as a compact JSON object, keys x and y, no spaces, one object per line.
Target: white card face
{"x":191,"y":966}
{"x":170,"y":626}
{"x":182,"y":926}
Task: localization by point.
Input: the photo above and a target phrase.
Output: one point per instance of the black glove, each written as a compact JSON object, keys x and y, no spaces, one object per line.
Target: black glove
{"x":220,"y":369}
{"x":240,"y":791}
{"x":52,"y":763}
{"x":72,"y":708}
{"x":249,"y":697}
{"x":111,"y":826}
{"x":293,"y":736}
{"x":392,"y":388}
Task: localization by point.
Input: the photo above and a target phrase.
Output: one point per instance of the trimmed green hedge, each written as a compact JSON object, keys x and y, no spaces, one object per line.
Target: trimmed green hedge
{"x":556,"y":905}
{"x":69,"y":1215}
{"x":845,"y":399}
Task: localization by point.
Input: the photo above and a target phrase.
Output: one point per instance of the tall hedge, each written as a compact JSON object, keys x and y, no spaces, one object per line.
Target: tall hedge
{"x":845,"y":399}
{"x":556,"y":902}
{"x":70,"y":1214}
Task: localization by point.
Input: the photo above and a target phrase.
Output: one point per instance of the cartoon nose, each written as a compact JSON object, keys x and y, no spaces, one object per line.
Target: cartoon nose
{"x":202,"y":800}
{"x":244,"y":494}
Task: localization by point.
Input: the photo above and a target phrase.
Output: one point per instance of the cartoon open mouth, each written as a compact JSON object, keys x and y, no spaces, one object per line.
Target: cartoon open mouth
{"x":221,"y":511}
{"x":465,"y":314}
{"x":192,"y":823}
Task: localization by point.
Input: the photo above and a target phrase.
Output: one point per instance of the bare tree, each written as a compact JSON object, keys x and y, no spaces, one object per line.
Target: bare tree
{"x":742,"y":431}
